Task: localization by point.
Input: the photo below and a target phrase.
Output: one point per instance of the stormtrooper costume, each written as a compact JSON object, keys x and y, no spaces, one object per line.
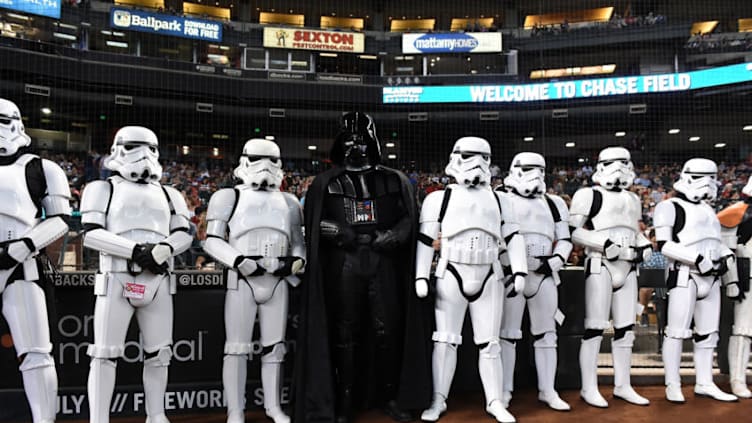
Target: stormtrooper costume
{"x":256,"y":232}
{"x":28,"y":186}
{"x":736,"y":231}
{"x":543,"y":223}
{"x":473,"y":222}
{"x":137,"y":225}
{"x":689,"y":235}
{"x":605,"y":220}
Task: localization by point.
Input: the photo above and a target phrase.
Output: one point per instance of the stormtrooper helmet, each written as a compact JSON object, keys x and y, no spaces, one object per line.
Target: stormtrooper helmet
{"x":527,"y":175}
{"x":697,"y":180}
{"x":135,"y":155}
{"x":356,"y":146}
{"x":470,"y":162}
{"x":614,"y":169}
{"x":12,"y":134}
{"x":260,"y":165}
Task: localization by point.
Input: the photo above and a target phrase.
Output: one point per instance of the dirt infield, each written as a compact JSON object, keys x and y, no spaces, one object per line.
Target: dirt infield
{"x":525,"y":406}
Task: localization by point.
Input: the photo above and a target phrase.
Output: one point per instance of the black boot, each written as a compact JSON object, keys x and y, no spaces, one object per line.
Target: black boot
{"x":392,"y":410}
{"x":345,"y":380}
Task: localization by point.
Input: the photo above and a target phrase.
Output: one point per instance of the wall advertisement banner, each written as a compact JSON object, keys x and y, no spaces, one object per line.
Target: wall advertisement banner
{"x":155,"y":23}
{"x":565,"y":90}
{"x":49,"y":8}
{"x":452,"y":42}
{"x":311,"y":39}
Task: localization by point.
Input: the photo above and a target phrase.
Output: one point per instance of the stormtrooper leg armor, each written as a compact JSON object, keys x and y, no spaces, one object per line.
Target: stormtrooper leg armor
{"x":739,"y":347}
{"x":597,"y":306}
{"x":624,"y":304}
{"x":24,"y":310}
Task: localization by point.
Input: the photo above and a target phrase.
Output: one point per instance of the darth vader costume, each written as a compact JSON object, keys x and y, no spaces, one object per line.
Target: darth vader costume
{"x":363,"y":334}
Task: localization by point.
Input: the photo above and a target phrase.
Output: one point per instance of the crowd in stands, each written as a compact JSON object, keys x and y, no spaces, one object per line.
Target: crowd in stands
{"x":197,"y":181}
{"x":719,"y":43}
{"x":617,"y":21}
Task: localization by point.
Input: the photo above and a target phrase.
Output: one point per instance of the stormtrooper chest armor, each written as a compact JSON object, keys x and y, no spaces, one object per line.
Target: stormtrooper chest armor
{"x":536,"y":224}
{"x":261,"y":224}
{"x":471,"y":227}
{"x":701,"y":228}
{"x":619,"y":215}
{"x":17,"y":209}
{"x":139,"y":212}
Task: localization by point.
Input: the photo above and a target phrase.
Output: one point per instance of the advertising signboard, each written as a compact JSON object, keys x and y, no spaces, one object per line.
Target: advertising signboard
{"x":313,"y":39}
{"x":452,"y":42}
{"x":155,"y":23}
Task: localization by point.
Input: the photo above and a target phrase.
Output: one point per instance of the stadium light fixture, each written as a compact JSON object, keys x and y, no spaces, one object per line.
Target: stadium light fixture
{"x":580,"y":160}
{"x":116,"y":44}
{"x":694,"y":139}
{"x":747,"y":128}
{"x":720,"y":145}
{"x":186,"y":150}
{"x":215,"y":151}
{"x":64,"y":36}
{"x":389,"y":145}
{"x":269,"y":137}
{"x":327,"y":54}
{"x":620,"y":134}
{"x":391,"y":156}
{"x":312,"y":147}
{"x":674,"y":131}
{"x":46,"y":110}
{"x":528,"y":139}
{"x":14,"y":15}
{"x":569,"y":145}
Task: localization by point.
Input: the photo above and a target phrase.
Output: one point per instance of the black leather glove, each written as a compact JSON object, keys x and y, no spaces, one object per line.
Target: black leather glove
{"x":545,"y":267}
{"x":288,"y":264}
{"x":386,"y":240}
{"x":6,"y":261}
{"x":342,"y":236}
{"x":142,"y":256}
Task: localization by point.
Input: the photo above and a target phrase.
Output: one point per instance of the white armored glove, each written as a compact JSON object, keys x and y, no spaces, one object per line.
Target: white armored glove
{"x":704,"y":265}
{"x":611,"y":250}
{"x":421,"y":287}
{"x":288,"y":266}
{"x":518,"y":284}
{"x":15,"y":252}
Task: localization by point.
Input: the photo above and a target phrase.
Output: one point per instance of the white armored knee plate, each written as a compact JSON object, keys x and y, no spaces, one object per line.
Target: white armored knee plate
{"x":12,"y":133}
{"x":614,"y":168}
{"x":697,"y":180}
{"x":260,"y":165}
{"x":526,"y":174}
{"x":470,"y":161}
{"x":135,"y":155}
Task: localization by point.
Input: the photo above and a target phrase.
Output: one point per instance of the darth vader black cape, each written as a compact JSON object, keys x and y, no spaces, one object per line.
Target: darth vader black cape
{"x":313,"y":382}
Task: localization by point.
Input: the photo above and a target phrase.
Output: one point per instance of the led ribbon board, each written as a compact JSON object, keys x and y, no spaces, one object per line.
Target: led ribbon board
{"x":50,"y":8}
{"x":564,"y":90}
{"x":155,"y":23}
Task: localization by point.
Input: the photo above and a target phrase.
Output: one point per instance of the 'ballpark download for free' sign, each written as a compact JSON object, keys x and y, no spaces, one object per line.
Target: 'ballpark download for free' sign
{"x":50,"y":8}
{"x":176,"y":26}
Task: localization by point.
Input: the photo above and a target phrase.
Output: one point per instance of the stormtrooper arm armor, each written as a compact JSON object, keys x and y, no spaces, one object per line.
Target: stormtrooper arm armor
{"x":179,"y":239}
{"x":56,"y":205}
{"x":563,"y":247}
{"x":297,"y":240}
{"x":94,"y":202}
{"x":515,"y":242}
{"x":429,"y":231}
{"x":221,"y":207}
{"x":579,"y":214}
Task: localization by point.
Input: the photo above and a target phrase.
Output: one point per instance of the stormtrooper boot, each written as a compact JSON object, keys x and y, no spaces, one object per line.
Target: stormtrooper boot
{"x":444,"y":362}
{"x":100,"y":386}
{"x":491,"y":376}
{"x":589,"y":370}
{"x":234,"y":372}
{"x":738,"y":350}
{"x":155,"y":385}
{"x":40,"y":385}
{"x":672,"y":350}
{"x":704,"y":385}
{"x":508,"y":358}
{"x":545,"y":365}
{"x":622,"y":353}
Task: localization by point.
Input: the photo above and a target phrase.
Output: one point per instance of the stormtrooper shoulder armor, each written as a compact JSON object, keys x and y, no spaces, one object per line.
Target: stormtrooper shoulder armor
{"x":57,"y":201}
{"x":562,"y":223}
{"x":430,"y":211}
{"x":95,"y":202}
{"x":582,"y":204}
{"x":222,"y":205}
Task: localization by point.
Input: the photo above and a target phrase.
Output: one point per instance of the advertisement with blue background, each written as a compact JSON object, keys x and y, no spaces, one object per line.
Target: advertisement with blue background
{"x":176,"y":26}
{"x":50,"y":8}
{"x":564,"y":90}
{"x":455,"y":42}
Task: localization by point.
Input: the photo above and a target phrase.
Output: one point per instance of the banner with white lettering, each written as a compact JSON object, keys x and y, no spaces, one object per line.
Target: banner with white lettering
{"x":50,"y":8}
{"x":195,"y":369}
{"x":452,"y":42}
{"x":176,"y":26}
{"x":311,"y":39}
{"x":563,"y":90}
